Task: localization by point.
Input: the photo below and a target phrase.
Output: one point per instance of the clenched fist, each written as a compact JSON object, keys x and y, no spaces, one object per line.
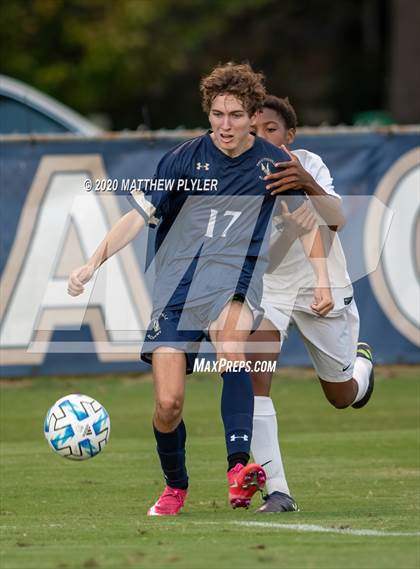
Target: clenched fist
{"x":78,"y":278}
{"x":323,"y":301}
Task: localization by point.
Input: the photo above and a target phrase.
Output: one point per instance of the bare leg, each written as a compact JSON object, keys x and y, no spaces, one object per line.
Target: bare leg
{"x":169,"y":429}
{"x":230,"y":331}
{"x":265,"y":441}
{"x":267,"y":335}
{"x":169,"y":366}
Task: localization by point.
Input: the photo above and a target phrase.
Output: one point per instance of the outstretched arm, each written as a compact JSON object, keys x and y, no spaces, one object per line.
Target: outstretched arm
{"x":124,"y":231}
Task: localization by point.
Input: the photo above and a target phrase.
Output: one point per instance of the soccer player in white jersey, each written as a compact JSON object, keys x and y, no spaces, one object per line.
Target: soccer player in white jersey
{"x":344,"y":365}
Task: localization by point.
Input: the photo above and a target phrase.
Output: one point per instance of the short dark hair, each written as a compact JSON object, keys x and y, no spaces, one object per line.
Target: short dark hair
{"x":283,"y":108}
{"x":239,"y":80}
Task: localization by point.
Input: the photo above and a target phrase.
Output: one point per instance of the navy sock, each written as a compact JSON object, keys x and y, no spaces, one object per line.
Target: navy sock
{"x":237,"y":409}
{"x":237,"y":458}
{"x":171,"y":450}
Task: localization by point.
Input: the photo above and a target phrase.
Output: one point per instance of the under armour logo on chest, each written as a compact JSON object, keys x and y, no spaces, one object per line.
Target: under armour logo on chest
{"x":205,"y":166}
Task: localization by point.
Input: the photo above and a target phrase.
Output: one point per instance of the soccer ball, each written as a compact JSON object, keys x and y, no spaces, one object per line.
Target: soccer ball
{"x":77,"y":427}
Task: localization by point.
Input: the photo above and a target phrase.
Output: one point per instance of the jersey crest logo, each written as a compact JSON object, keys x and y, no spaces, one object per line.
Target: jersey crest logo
{"x":155,"y":327}
{"x":264,"y":165}
{"x":205,"y":166}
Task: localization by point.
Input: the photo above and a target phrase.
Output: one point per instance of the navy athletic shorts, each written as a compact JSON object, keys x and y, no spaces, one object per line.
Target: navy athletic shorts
{"x":185,"y":328}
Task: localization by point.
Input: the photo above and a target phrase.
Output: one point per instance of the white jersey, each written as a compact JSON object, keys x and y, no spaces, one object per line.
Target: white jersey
{"x":291,"y":284}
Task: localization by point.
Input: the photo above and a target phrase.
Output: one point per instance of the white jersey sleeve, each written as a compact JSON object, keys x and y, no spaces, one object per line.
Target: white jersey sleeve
{"x":315,"y":166}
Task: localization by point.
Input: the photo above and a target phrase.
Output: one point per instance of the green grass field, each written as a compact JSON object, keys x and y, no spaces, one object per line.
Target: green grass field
{"x":347,"y":469}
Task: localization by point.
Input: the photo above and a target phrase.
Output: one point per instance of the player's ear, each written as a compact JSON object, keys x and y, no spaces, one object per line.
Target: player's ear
{"x":291,"y":133}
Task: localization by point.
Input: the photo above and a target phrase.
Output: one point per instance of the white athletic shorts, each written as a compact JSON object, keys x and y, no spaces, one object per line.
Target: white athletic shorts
{"x":331,"y":341}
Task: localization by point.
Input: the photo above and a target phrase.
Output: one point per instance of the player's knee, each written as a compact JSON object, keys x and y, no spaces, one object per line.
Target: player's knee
{"x":232,"y":352}
{"x":169,"y":409}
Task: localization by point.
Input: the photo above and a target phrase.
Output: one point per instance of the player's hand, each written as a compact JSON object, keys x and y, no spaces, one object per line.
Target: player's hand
{"x":301,"y":221}
{"x":78,"y":278}
{"x":323,"y":301}
{"x":292,"y":176}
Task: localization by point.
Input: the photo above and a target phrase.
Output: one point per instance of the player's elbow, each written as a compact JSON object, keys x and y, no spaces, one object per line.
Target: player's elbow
{"x":339,"y":220}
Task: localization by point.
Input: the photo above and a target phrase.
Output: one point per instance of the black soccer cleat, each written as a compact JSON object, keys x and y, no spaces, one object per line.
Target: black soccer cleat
{"x":277,"y":502}
{"x":365,"y":351}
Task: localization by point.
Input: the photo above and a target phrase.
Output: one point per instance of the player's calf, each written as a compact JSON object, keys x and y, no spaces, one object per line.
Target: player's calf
{"x":340,"y":395}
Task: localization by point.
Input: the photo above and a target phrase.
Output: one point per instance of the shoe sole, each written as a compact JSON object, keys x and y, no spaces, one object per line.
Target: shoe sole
{"x":274,"y":510}
{"x":149,"y":513}
{"x":152,"y":512}
{"x":240,"y":503}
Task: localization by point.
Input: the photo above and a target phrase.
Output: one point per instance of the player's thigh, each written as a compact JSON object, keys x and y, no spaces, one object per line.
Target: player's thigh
{"x":265,"y":341}
{"x":231,"y":328}
{"x":169,"y":371}
{"x":331,"y":343}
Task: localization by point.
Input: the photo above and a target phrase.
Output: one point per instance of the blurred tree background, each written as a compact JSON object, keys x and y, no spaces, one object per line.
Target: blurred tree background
{"x":139,"y":61}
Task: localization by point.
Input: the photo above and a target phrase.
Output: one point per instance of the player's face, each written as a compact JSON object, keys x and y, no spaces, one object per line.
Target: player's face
{"x":270,"y":126}
{"x":231,"y":125}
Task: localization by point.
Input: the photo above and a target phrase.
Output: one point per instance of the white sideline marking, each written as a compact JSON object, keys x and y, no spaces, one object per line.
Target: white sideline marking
{"x":321,"y":529}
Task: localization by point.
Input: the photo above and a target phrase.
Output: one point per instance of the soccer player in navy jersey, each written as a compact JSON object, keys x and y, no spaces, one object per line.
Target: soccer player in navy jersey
{"x":211,"y":254}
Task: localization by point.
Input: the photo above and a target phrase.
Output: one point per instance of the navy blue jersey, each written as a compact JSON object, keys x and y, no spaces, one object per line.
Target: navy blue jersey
{"x":212,"y":215}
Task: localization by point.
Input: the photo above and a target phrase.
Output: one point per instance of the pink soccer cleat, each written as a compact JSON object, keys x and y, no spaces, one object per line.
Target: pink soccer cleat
{"x":244,"y":481}
{"x":169,"y":503}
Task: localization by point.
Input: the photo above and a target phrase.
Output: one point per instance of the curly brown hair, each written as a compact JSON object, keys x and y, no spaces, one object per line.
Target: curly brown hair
{"x":238,"y":80}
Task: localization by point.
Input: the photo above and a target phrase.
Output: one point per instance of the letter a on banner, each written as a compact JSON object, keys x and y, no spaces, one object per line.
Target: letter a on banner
{"x":59,"y":228}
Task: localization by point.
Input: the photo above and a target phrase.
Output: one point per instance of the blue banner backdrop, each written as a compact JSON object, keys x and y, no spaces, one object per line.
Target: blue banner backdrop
{"x":51,"y":222}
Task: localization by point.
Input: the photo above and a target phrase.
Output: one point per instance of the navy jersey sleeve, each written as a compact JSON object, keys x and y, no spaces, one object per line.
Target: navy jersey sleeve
{"x":152,"y":202}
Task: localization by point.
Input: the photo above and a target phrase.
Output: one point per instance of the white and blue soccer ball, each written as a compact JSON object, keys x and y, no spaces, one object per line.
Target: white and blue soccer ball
{"x":77,"y":427}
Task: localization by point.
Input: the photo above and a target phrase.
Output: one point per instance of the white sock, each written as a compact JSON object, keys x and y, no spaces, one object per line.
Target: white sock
{"x":361,"y":373}
{"x":265,"y":444}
